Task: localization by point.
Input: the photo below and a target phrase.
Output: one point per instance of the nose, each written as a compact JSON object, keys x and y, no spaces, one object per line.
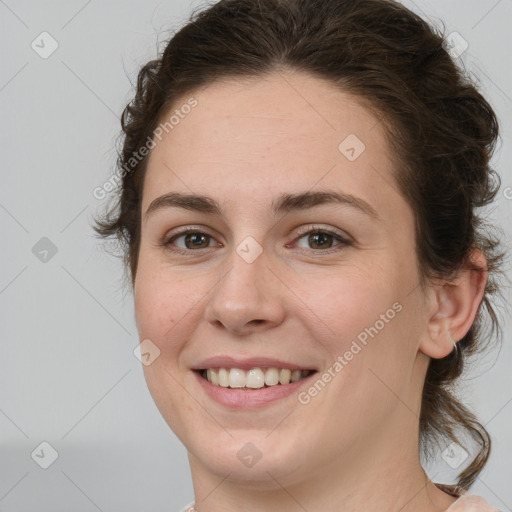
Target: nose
{"x":248,"y":298}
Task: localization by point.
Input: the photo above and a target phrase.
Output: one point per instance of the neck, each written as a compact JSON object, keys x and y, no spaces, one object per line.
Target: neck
{"x":387,"y":478}
{"x":380,"y":470}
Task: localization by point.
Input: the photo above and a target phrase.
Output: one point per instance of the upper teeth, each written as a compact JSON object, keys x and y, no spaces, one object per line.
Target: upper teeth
{"x":255,"y":378}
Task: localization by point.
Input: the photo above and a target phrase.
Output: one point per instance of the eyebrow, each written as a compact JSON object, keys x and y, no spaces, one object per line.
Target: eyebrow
{"x":283,"y":204}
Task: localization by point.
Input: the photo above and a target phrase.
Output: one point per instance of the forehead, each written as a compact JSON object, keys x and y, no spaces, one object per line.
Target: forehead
{"x":247,"y":137}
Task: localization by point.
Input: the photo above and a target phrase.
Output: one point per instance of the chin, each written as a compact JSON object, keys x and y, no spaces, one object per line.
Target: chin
{"x":252,"y":459}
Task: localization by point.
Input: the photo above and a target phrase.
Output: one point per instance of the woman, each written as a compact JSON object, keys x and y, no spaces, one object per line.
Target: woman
{"x":299,"y":190}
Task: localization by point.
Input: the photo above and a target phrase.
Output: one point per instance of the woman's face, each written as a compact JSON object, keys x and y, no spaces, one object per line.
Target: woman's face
{"x":277,"y":278}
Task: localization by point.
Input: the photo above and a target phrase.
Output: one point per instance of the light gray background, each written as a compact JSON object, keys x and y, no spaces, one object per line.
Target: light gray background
{"x":68,"y":373}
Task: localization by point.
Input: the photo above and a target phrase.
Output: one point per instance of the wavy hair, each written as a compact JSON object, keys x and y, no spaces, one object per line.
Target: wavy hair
{"x":441,"y":130}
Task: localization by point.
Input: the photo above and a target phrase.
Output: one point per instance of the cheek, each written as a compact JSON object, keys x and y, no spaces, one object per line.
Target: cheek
{"x":352,"y":299}
{"x":169,"y":304}
{"x":367,"y":316}
{"x":159,"y":305}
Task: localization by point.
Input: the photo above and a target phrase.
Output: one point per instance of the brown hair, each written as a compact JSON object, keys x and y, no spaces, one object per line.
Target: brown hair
{"x":441,"y":129}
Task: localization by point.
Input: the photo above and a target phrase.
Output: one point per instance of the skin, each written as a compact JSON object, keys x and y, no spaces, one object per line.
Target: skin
{"x":244,"y":145}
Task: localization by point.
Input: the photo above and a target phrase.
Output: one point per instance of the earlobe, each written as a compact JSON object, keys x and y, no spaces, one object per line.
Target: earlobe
{"x":456,"y":303}
{"x":439,"y":341}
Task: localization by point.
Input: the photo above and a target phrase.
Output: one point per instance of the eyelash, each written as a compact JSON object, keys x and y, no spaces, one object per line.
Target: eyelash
{"x":311,"y":230}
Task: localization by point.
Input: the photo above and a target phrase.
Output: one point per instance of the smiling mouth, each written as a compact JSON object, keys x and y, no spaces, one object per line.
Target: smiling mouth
{"x":255,"y":378}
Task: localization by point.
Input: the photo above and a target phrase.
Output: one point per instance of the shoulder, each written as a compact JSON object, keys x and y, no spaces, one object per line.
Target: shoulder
{"x":465,"y":502}
{"x":471,"y":503}
{"x":190,"y":508}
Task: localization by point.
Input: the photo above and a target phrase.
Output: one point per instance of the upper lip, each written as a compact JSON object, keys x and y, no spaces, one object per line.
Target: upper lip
{"x":248,"y":363}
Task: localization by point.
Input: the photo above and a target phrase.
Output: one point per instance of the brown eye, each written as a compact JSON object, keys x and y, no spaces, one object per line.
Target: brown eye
{"x":320,"y":240}
{"x":189,"y":240}
{"x":197,"y":240}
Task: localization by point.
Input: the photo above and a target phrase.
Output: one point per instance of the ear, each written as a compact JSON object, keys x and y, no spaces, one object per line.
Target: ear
{"x":454,"y":307}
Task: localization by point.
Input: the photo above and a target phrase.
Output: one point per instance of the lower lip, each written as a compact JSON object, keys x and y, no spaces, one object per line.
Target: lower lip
{"x":246,"y":399}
